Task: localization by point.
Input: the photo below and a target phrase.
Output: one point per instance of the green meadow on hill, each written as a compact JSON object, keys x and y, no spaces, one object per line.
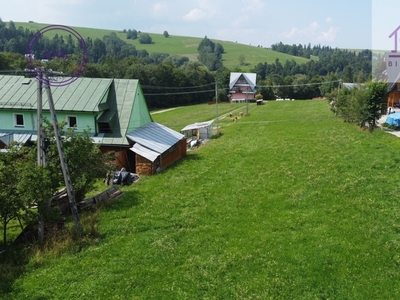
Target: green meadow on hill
{"x":185,"y":46}
{"x":289,"y":202}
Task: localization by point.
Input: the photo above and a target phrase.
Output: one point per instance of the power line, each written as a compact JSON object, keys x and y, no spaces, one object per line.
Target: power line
{"x":179,"y":93}
{"x":302,"y":84}
{"x":177,"y":88}
{"x":181,"y":88}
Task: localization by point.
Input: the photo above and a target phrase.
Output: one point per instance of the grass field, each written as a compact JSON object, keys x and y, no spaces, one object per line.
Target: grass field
{"x":186,"y":46}
{"x":289,"y":203}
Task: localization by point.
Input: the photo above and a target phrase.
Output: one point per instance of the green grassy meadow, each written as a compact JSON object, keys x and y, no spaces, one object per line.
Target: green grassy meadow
{"x":182,"y":45}
{"x":288,"y":203}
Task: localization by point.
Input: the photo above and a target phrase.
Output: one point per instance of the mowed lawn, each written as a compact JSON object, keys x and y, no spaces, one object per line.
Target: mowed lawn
{"x":289,"y":203}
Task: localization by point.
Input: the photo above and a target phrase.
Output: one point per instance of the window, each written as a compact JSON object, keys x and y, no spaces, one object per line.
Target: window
{"x":72,"y":122}
{"x":104,"y":128}
{"x":19,"y":120}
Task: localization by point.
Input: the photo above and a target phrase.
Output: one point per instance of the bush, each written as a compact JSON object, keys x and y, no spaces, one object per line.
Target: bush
{"x":145,"y":38}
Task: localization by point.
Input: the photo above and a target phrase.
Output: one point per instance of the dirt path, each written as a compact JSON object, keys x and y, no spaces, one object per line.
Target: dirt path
{"x":161,"y":111}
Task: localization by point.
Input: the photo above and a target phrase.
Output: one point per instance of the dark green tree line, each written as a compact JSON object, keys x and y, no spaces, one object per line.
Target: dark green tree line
{"x":210,"y":54}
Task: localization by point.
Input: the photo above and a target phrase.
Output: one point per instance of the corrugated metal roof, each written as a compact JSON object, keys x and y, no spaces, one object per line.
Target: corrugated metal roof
{"x":156,"y":137}
{"x":198,"y":125}
{"x":146,"y":153}
{"x":15,"y":136}
{"x":84,"y":94}
{"x":19,"y":137}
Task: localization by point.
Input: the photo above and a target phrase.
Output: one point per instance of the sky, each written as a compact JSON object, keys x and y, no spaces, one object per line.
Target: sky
{"x":360,"y":24}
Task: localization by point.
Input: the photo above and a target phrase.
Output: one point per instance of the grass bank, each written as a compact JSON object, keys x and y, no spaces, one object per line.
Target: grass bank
{"x":289,"y":203}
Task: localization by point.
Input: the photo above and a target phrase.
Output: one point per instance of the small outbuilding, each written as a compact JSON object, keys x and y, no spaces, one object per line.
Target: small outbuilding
{"x":203,"y":130}
{"x":156,"y":147}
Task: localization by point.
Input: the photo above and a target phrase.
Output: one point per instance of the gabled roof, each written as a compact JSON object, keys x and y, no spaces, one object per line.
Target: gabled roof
{"x":250,"y":78}
{"x":197,"y":125}
{"x":126,"y":100}
{"x":155,"y":137}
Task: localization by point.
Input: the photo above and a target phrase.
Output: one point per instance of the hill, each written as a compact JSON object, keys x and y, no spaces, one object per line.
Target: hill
{"x":186,"y":46}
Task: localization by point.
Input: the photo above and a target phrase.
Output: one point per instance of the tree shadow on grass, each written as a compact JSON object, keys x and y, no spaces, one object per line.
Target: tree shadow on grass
{"x":12,"y":266}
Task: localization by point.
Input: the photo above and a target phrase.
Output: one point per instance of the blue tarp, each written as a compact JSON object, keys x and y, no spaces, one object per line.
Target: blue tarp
{"x":393,"y":119}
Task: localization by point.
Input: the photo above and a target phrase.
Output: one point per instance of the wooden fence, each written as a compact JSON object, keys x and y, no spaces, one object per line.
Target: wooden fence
{"x":61,"y":199}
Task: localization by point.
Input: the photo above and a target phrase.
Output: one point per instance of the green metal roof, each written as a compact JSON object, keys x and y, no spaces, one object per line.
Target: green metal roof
{"x":82,"y":95}
{"x":126,"y":98}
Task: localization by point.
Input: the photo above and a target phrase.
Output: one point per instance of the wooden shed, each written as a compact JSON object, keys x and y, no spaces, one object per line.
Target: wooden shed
{"x":156,"y":147}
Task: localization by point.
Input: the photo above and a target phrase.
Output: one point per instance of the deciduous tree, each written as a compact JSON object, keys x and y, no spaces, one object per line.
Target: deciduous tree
{"x":145,"y":38}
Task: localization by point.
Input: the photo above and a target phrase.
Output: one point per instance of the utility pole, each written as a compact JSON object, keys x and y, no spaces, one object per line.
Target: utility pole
{"x":41,"y":159}
{"x":64,"y":166}
{"x":216,"y":106}
{"x":41,"y":155}
{"x":247,"y":101}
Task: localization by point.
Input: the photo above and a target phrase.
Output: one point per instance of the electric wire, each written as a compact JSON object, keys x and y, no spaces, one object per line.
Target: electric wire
{"x":171,"y":87}
{"x":179,"y":93}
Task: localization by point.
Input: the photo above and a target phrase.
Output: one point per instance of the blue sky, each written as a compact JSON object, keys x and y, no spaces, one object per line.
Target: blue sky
{"x":336,"y":23}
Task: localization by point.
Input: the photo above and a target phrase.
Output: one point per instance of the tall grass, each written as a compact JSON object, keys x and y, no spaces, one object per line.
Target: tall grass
{"x":289,"y":203}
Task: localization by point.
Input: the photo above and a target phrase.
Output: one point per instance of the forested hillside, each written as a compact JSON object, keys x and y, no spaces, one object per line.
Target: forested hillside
{"x":172,"y":80}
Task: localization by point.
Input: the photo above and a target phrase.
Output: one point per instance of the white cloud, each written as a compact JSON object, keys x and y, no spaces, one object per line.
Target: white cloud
{"x":194,"y":15}
{"x":312,"y":32}
{"x":329,"y":20}
{"x":239,"y":20}
{"x":159,"y":9}
{"x":330,"y":35}
{"x":306,"y":32}
{"x":205,"y":9}
{"x":290,"y":34}
{"x":208,"y":7}
{"x":252,"y":5}
{"x":311,"y":29}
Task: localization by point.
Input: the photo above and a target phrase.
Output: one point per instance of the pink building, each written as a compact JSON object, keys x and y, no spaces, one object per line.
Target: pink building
{"x":242,"y":86}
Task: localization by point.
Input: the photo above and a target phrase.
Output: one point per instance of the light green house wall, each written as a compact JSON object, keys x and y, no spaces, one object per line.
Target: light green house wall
{"x":7,"y":120}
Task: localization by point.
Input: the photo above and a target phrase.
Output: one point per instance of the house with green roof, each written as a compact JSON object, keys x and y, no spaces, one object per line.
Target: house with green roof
{"x":109,"y":108}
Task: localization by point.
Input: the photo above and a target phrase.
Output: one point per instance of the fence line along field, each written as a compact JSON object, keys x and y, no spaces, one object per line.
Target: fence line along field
{"x":288,"y":203}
